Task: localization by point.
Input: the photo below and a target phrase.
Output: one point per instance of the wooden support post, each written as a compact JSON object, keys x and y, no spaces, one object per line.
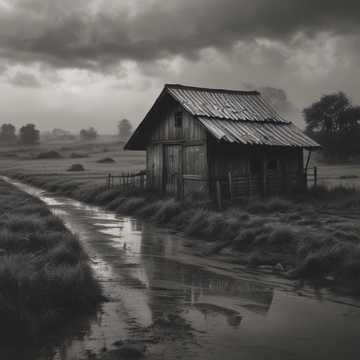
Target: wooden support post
{"x":249,"y":183}
{"x":308,"y":161}
{"x":178,"y":187}
{"x":315,"y":176}
{"x":264,"y":176}
{"x":108,"y":181}
{"x":230,"y":186}
{"x":218,"y":195}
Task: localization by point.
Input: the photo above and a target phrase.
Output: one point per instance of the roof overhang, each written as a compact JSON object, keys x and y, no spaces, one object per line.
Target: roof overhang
{"x":258,"y":133}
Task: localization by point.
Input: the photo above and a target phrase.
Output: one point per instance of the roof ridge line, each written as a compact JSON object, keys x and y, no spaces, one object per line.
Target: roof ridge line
{"x":181,"y":86}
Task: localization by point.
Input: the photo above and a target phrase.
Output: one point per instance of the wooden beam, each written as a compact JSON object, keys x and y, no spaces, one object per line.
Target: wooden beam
{"x":308,"y":161}
{"x":230,"y":186}
{"x":218,"y":194}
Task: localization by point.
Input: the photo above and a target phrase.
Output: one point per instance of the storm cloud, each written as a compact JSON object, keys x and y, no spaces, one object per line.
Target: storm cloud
{"x":97,"y":61}
{"x":97,"y":34}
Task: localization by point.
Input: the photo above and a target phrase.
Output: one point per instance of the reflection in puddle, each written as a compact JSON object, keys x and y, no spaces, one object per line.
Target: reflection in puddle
{"x":185,"y":310}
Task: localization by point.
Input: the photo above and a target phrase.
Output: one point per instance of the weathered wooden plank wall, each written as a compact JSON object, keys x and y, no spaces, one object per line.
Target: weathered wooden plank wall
{"x":191,"y":156}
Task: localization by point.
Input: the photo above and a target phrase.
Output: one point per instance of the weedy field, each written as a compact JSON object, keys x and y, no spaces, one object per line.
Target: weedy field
{"x":312,"y":236}
{"x":56,"y":159}
{"x":45,"y":277}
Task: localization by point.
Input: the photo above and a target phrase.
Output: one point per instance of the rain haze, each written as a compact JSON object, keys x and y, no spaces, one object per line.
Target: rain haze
{"x":179,"y":179}
{"x":74,"y":64}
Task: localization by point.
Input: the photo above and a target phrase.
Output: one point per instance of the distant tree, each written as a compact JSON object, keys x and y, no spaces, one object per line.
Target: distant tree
{"x":59,"y":135}
{"x":124,"y":129}
{"x":29,"y":135}
{"x":88,"y":134}
{"x":8,"y":134}
{"x":335,"y":123}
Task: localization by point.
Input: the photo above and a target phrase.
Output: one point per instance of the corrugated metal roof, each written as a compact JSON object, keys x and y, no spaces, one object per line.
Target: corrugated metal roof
{"x":229,"y":115}
{"x":257,"y":133}
{"x":224,"y":104}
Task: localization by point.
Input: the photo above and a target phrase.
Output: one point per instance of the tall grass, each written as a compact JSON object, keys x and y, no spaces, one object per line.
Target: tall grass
{"x":45,"y":278}
{"x":257,"y":232}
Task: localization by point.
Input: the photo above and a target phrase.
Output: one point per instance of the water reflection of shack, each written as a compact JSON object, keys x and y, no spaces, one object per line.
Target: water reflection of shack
{"x":189,"y":284}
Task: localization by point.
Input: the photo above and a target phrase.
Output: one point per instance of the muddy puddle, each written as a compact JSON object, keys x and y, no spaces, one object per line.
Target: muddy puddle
{"x":180,"y":306}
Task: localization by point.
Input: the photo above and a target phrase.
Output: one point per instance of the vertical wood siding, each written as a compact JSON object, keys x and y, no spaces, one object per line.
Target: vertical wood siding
{"x":154,"y":165}
{"x":181,"y":156}
{"x":166,"y":130}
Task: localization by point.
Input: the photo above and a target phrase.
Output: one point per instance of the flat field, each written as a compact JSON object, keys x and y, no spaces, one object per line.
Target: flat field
{"x":25,"y":160}
{"x":313,"y":234}
{"x":347,"y":175}
{"x":93,"y":156}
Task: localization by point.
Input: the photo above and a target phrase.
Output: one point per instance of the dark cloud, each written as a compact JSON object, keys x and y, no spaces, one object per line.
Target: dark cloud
{"x":24,"y":79}
{"x":91,"y":34}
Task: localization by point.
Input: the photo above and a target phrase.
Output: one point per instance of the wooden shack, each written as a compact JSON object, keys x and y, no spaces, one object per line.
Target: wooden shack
{"x":196,"y":138}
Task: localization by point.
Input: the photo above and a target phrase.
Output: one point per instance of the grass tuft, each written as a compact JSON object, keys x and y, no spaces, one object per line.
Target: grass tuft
{"x":45,"y":278}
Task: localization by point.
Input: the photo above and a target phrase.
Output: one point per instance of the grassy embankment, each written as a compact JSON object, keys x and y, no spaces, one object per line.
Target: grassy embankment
{"x":315,"y":236}
{"x":45,"y":278}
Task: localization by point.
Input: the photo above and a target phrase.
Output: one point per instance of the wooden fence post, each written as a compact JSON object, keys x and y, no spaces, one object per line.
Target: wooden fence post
{"x":230,"y":186}
{"x":108,"y":181}
{"x":315,"y":176}
{"x":249,"y":183}
{"x":178,"y":187}
{"x":218,"y":194}
{"x":265,"y":176}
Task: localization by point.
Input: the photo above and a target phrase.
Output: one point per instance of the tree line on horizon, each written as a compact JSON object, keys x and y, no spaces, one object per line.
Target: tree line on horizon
{"x":30,"y":135}
{"x":333,"y":121}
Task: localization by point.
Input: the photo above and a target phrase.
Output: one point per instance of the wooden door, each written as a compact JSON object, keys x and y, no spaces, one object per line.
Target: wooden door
{"x":256,"y":175}
{"x":172,"y":168}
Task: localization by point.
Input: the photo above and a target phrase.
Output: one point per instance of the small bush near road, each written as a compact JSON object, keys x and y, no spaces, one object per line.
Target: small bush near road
{"x":76,"y":167}
{"x":49,"y":155}
{"x":45,"y":277}
{"x":106,"y":160}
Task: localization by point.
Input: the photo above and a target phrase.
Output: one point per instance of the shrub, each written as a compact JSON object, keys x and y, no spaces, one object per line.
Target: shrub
{"x":106,"y":160}
{"x":45,"y":278}
{"x":245,"y":239}
{"x":131,"y":205}
{"x":107,"y":196}
{"x":282,"y":235}
{"x":52,"y":154}
{"x":278,"y":204}
{"x":197,"y":222}
{"x":167,"y":210}
{"x":76,"y":167}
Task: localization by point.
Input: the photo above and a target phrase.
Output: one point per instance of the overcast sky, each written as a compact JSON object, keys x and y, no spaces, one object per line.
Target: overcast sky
{"x":80,"y":63}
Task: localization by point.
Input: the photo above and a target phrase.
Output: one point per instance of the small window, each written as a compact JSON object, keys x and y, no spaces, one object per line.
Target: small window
{"x":178,"y":119}
{"x":272,"y":165}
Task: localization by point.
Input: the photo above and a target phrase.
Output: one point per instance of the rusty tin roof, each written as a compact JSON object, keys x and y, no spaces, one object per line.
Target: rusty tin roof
{"x":233,"y":116}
